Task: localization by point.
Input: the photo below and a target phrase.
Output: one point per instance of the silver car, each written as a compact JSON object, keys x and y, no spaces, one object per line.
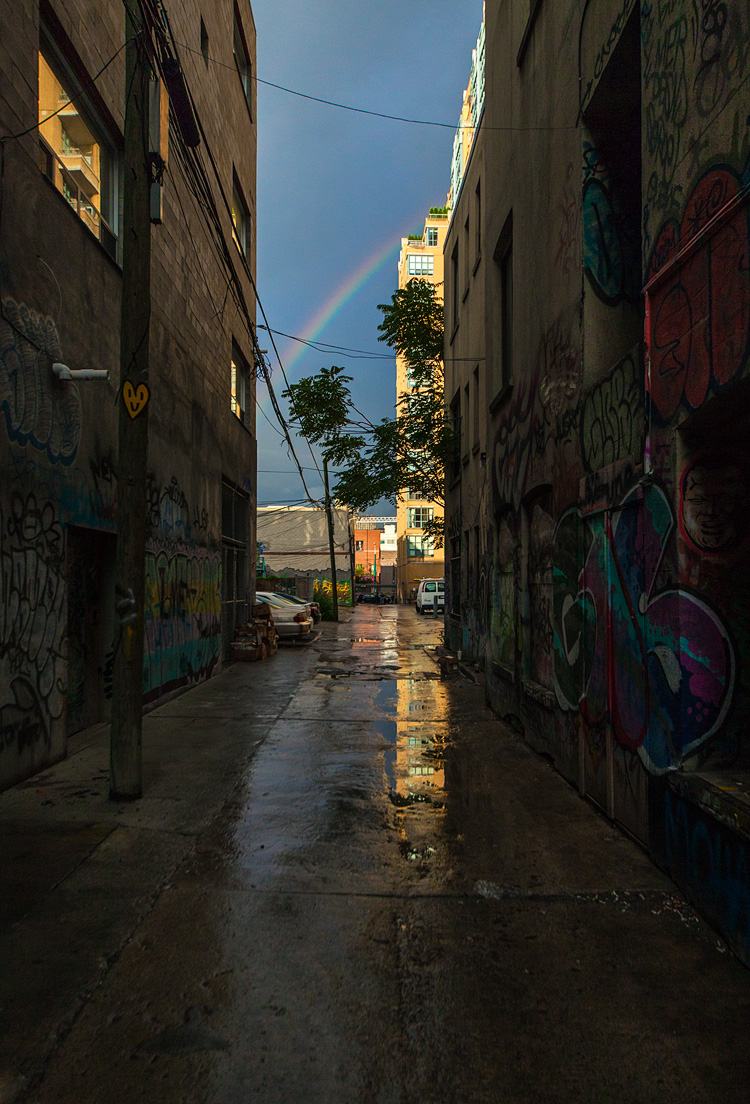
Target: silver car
{"x":313,"y":607}
{"x":290,"y":620}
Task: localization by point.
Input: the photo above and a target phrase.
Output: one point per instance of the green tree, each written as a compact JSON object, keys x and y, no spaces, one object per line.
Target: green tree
{"x":382,"y":459}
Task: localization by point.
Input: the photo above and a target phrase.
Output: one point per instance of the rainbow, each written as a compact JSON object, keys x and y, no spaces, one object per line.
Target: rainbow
{"x":353,"y":283}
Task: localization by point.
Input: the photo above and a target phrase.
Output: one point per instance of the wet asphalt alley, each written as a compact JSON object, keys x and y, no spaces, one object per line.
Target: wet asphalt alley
{"x":395,"y":901}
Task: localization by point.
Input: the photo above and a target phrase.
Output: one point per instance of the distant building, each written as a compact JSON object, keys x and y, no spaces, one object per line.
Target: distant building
{"x":62,"y":114}
{"x":420,"y":258}
{"x":375,"y":549}
{"x":293,"y":541}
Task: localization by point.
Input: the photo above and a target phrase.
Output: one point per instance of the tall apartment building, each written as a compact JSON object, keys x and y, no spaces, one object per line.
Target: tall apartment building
{"x":421,"y":257}
{"x":598,"y":361}
{"x":62,"y":108}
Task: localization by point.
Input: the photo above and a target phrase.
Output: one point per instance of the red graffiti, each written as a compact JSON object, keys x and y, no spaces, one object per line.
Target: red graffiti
{"x":700,"y":315}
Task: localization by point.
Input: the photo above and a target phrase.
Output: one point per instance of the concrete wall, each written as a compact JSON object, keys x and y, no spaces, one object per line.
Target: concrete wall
{"x":615,"y":156}
{"x":60,"y":293}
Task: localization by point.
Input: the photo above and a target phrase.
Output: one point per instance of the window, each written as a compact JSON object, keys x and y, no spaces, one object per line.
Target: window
{"x":454,"y":279}
{"x":242,"y":61}
{"x":432,"y":235}
{"x":419,"y":547}
{"x":359,"y":545}
{"x":417,"y":487}
{"x":455,"y":577}
{"x":467,"y":251}
{"x":475,"y":408}
{"x":204,"y":41}
{"x":73,"y":150}
{"x":467,"y":434}
{"x":240,"y":220}
{"x":478,"y":220}
{"x":240,"y":374}
{"x":506,"y":312}
{"x":454,"y":465}
{"x":503,"y":256}
{"x":418,"y":516}
{"x":420,"y":264}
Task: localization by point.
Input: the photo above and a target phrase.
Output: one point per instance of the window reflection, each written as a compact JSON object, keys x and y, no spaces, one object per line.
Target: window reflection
{"x":71,"y":155}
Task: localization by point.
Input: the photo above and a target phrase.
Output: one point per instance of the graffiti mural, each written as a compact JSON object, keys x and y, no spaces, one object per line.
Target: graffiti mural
{"x":612,"y":416}
{"x":611,"y":250}
{"x":721,"y":51}
{"x":538,"y":431}
{"x":81,"y":499}
{"x":38,"y":409}
{"x":660,"y":657}
{"x":32,"y":620}
{"x":700,"y":316}
{"x":182,"y":618}
{"x":665,"y":36}
{"x":713,"y":505}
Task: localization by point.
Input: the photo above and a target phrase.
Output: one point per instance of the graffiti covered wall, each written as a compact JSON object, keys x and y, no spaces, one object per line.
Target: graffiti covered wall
{"x":182,"y":611}
{"x":619,"y":633}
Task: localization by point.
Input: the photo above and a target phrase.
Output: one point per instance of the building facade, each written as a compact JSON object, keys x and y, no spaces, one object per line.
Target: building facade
{"x":607,"y":321}
{"x":375,"y":548}
{"x":293,"y":542}
{"x":417,"y":558}
{"x":62,"y":104}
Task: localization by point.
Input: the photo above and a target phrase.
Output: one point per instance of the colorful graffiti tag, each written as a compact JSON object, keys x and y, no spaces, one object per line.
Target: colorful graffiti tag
{"x":182,"y":618}
{"x":700,"y":314}
{"x":611,"y":254}
{"x":661,"y":658}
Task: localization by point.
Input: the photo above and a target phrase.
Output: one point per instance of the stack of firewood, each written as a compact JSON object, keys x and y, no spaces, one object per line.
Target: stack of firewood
{"x":255,"y":639}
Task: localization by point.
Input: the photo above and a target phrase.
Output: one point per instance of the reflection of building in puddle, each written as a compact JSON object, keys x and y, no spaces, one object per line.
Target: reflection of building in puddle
{"x":420,"y":709}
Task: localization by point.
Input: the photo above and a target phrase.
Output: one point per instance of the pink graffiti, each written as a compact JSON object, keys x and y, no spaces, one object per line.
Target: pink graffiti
{"x":662,"y":659}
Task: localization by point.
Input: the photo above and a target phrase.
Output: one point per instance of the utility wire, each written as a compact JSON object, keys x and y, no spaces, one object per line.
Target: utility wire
{"x":68,"y":102}
{"x":368,"y":111}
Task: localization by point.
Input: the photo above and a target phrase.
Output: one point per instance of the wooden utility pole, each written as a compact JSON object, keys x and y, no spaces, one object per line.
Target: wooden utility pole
{"x":130,"y":555}
{"x":331,"y":545}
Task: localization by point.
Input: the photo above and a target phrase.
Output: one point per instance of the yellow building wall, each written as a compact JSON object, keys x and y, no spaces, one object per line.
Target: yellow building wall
{"x":411,"y":570}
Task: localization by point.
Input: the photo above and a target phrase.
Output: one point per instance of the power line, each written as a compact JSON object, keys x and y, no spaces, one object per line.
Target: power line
{"x":323,"y":346}
{"x":377,"y":114}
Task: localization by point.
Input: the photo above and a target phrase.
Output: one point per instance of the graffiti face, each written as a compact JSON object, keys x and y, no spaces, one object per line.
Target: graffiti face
{"x":712,"y":506}
{"x":659,"y":664}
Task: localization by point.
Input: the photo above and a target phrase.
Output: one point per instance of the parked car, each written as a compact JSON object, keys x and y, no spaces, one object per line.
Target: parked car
{"x":431,"y":596}
{"x":291,"y":620}
{"x":264,"y":595}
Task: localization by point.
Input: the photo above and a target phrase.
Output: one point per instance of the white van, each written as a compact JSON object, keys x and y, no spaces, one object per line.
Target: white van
{"x":431,"y":596}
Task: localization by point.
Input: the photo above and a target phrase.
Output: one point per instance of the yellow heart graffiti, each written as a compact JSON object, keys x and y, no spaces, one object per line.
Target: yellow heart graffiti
{"x":135,"y":397}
